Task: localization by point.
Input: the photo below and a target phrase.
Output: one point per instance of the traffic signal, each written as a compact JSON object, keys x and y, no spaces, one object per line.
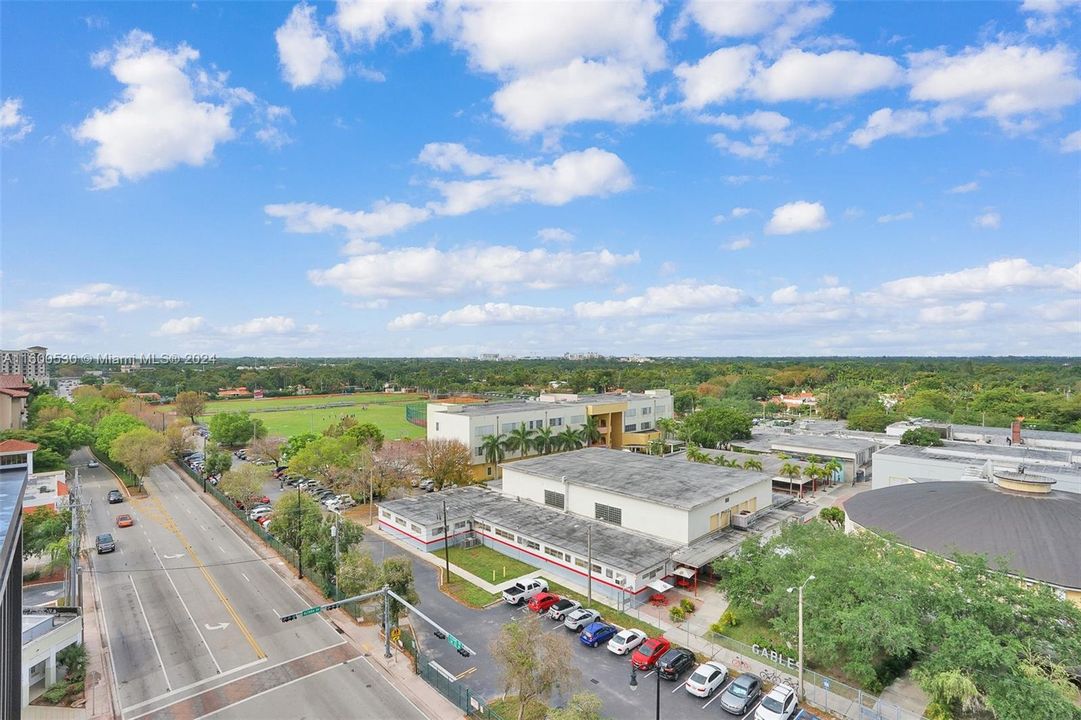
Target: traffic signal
{"x":441,"y":635}
{"x":463,"y":652}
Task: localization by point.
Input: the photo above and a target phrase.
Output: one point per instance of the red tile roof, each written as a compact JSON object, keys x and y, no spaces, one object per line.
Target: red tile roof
{"x":12,"y":392}
{"x":14,"y":381}
{"x":10,"y":446}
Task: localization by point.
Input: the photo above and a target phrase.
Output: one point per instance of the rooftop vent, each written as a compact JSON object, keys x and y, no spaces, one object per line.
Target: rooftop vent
{"x":1021,"y":481}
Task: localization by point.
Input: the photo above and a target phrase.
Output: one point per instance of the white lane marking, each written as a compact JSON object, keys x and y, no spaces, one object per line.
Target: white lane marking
{"x":276,"y":612}
{"x":245,"y":577}
{"x":156,"y":698}
{"x":222,"y":549}
{"x":230,"y":680}
{"x":188,"y":510}
{"x":219,"y":626}
{"x":185,"y":606}
{"x":678,"y":687}
{"x":154,"y":642}
{"x":268,"y":690}
{"x":716,"y":694}
{"x":753,"y":708}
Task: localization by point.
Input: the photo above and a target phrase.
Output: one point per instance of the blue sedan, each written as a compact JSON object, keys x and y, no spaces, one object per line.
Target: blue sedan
{"x":597,"y":633}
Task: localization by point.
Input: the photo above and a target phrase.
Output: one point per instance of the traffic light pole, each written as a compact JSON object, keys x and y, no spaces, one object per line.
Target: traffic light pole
{"x":441,"y":633}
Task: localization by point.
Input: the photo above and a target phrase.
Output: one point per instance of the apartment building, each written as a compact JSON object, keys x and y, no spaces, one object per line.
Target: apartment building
{"x":625,"y":421}
{"x":30,"y":363}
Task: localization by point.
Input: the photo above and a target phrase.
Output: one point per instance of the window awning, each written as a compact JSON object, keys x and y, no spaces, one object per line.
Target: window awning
{"x":660,"y":586}
{"x":684,"y":572}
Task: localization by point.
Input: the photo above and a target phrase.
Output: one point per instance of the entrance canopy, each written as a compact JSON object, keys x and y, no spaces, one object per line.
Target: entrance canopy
{"x":660,"y":586}
{"x":684,"y":572}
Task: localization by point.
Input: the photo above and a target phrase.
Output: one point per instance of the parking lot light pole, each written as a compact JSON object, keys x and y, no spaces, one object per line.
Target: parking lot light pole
{"x":800,"y":589}
{"x":634,"y":686}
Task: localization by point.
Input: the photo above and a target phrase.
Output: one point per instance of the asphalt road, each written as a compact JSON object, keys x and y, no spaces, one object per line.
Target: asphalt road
{"x":191,"y":613}
{"x":43,"y":593}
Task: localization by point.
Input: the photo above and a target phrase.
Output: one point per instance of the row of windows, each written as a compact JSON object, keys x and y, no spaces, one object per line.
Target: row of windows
{"x":504,"y":534}
{"x":553,"y":552}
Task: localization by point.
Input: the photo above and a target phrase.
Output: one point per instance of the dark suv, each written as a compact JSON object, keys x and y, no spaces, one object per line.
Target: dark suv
{"x":105,"y":543}
{"x":675,"y":662}
{"x":114,"y":496}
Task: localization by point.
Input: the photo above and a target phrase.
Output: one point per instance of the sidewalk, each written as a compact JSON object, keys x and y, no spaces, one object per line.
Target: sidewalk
{"x":398,"y":669}
{"x":101,"y":703}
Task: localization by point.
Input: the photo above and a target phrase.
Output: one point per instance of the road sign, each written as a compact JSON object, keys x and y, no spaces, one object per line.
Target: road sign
{"x":454,"y":642}
{"x":310,"y":611}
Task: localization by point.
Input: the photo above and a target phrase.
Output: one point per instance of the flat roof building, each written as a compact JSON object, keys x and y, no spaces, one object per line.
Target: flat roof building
{"x":640,"y":516}
{"x":987,"y":435}
{"x":1017,"y":517}
{"x":624,"y":420}
{"x":853,"y":454}
{"x":678,"y":501}
{"x":901,"y":464}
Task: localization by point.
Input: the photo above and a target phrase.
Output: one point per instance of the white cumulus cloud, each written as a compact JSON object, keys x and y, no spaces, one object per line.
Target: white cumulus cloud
{"x":305,"y":51}
{"x":798,"y":216}
{"x":966,"y":312}
{"x":988,"y":220}
{"x":998,"y":81}
{"x":169,"y":113}
{"x":427,"y":272}
{"x":580,"y":90}
{"x":792,"y":296}
{"x":1071,"y":143}
{"x":486,"y":314}
{"x":801,"y":75}
{"x":14,"y":124}
{"x":717,"y":77}
{"x":368,"y":21}
{"x":108,"y":295}
{"x":181,"y":326}
{"x":1000,"y":275}
{"x":778,"y":20}
{"x":270,"y":325}
{"x":663,"y":300}
{"x":964,"y":188}
{"x":555,"y":234}
{"x":896,"y":217}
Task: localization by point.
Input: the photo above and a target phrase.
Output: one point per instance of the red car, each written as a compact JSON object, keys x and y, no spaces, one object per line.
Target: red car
{"x":649,"y":652}
{"x":542,"y":601}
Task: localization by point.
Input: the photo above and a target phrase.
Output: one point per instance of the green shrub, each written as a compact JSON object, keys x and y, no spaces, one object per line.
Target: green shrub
{"x":728,"y":620}
{"x":687,"y":605}
{"x":676,"y":614}
{"x":32,"y":575}
{"x":73,"y":657}
{"x":56,"y":693}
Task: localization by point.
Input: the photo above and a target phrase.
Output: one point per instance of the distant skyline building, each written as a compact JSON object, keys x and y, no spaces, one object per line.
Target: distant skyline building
{"x":30,"y":363}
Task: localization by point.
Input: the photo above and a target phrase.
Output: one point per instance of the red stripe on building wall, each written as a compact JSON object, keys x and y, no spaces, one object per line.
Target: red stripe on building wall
{"x":523,"y":550}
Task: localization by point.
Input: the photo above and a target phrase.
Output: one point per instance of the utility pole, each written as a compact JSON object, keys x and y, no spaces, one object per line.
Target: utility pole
{"x":809,"y":579}
{"x":589,"y":561}
{"x":446,"y":538}
{"x":73,"y":571}
{"x":337,"y":564}
{"x":371,"y":495}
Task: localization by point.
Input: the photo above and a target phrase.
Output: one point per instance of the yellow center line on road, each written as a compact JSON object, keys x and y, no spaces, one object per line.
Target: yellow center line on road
{"x":167,"y":522}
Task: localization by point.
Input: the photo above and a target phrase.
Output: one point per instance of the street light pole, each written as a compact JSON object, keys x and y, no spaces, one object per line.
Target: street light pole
{"x":300,"y":554}
{"x":800,"y":592}
{"x":446,"y":539}
{"x":589,"y":561}
{"x":634,"y":686}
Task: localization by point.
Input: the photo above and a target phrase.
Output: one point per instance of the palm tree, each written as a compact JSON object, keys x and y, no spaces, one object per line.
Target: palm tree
{"x":832,"y":468}
{"x":544,"y":441}
{"x":591,"y":431}
{"x":569,"y":439}
{"x":814,"y":472}
{"x":520,"y":439}
{"x":669,"y":427}
{"x":752,"y":464}
{"x":790,"y":471}
{"x":494,"y":447}
{"x":656,"y":447}
{"x":696,"y":455}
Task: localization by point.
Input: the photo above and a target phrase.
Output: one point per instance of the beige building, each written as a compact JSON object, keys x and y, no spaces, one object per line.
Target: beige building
{"x":14,"y":394}
{"x":625,"y":421}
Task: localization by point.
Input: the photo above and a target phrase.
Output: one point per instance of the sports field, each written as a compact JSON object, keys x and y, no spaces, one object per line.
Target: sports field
{"x":286,"y":416}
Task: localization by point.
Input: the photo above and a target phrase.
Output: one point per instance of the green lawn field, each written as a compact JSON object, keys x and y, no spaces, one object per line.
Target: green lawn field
{"x":288,"y":416}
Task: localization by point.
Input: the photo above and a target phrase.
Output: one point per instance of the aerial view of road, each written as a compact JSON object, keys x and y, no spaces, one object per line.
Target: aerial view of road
{"x":191,"y":614}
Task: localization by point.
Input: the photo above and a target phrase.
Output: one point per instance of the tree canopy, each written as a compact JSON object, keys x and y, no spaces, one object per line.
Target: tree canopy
{"x":716,"y":426}
{"x":233,"y":429}
{"x":973,"y":635}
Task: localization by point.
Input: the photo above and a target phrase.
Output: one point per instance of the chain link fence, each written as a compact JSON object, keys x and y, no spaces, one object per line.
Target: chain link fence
{"x":824,"y":692}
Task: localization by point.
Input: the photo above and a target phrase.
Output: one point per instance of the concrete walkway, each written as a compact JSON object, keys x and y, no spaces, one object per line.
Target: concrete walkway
{"x":101,"y":700}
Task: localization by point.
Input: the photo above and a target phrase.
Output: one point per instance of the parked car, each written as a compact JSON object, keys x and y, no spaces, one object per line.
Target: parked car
{"x":560,"y":609}
{"x":427,"y":485}
{"x":675,"y":662}
{"x":779,"y":704}
{"x":114,"y":496}
{"x":259,"y":511}
{"x":105,"y":543}
{"x":596,"y":633}
{"x":264,"y":520}
{"x":259,"y":500}
{"x":346,"y":501}
{"x":649,"y":652}
{"x":124,"y":520}
{"x":580,"y":618}
{"x":626,"y":641}
{"x":704,"y":681}
{"x":542,"y":602}
{"x":741,"y":694}
{"x":524,"y":590}
{"x":93,"y":463}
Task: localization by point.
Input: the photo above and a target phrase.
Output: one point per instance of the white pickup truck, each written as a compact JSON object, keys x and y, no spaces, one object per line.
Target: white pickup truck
{"x":524,"y":590}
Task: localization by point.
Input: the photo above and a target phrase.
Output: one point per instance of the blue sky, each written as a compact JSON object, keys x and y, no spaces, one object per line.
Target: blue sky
{"x":538,"y":178}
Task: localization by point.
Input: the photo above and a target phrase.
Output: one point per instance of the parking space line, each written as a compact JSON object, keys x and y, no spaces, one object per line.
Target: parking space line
{"x":677,"y":687}
{"x":753,"y":708}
